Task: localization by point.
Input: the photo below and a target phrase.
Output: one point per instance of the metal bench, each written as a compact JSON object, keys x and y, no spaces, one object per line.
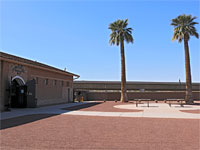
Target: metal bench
{"x":179,"y":101}
{"x":139,"y":100}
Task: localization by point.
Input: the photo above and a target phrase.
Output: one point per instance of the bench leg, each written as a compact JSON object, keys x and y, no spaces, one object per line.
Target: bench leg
{"x":181,"y":104}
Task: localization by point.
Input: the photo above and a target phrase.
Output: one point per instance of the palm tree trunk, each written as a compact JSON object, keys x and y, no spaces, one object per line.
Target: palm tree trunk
{"x":188,"y":96}
{"x":123,"y":74}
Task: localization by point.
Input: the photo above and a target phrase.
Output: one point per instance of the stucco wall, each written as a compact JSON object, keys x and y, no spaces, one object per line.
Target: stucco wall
{"x":116,"y":85}
{"x":45,"y":94}
{"x":50,"y":93}
{"x":4,"y":83}
{"x":1,"y":73}
{"x":90,"y":96}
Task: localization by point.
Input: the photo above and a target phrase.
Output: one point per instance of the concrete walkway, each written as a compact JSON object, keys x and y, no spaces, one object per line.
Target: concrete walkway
{"x":53,"y":109}
{"x":156,"y":110}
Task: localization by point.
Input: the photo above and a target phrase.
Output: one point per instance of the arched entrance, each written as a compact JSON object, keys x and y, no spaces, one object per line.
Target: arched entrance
{"x":18,"y":92}
{"x":19,"y":80}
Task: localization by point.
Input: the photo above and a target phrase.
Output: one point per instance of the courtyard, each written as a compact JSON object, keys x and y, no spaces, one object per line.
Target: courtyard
{"x":102,"y":125}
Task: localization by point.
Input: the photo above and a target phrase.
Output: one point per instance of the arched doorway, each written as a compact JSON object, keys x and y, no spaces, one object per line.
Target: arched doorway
{"x":18,"y":92}
{"x":19,"y":80}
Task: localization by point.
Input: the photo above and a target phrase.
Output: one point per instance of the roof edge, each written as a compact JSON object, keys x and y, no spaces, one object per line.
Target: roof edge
{"x":8,"y":57}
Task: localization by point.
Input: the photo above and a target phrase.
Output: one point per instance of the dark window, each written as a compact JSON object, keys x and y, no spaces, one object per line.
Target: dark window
{"x":62,"y":83}
{"x":46,"y":81}
{"x":67,"y":84}
{"x":36,"y":80}
{"x":54,"y":82}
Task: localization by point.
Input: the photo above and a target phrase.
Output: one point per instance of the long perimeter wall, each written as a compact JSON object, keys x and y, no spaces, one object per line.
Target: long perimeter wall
{"x":100,"y":90}
{"x":116,"y":85}
{"x":90,"y":96}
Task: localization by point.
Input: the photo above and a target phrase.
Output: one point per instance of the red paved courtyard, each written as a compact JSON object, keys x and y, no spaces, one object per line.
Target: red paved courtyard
{"x":74,"y":132}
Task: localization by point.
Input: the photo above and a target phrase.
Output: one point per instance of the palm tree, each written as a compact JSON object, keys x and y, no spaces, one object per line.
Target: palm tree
{"x":120,"y":32}
{"x":183,"y":29}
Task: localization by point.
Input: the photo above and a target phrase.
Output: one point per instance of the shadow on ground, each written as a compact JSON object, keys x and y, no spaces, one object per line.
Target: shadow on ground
{"x":12,"y":122}
{"x":195,"y":104}
{"x":82,"y":106}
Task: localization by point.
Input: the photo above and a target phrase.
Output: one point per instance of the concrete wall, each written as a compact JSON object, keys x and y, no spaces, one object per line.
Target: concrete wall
{"x":100,"y":90}
{"x":116,"y":85}
{"x":90,"y":96}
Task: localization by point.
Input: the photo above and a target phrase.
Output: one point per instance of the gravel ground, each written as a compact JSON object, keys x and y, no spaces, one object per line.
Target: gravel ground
{"x":100,"y":133}
{"x":191,"y":111}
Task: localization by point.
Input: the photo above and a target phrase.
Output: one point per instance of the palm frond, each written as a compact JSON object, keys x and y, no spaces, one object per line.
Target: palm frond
{"x":184,"y":25}
{"x":120,"y":32}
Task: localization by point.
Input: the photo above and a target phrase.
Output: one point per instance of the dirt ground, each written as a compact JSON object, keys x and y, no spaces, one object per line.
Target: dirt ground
{"x":103,"y":107}
{"x":68,"y":132}
{"x":108,"y":107}
{"x":71,"y":132}
{"x":191,"y":111}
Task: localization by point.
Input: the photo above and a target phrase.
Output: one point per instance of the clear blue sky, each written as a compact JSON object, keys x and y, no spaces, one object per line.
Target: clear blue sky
{"x":75,"y":35}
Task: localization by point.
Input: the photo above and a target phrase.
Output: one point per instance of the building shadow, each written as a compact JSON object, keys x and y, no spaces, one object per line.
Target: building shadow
{"x":79,"y":107}
{"x":16,"y":121}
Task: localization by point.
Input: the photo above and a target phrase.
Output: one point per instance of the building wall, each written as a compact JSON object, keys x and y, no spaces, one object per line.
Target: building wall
{"x":46,"y":94}
{"x":109,"y":90}
{"x":4,"y":84}
{"x":91,"y":96}
{"x":1,"y":91}
{"x":116,"y":85}
{"x":51,"y":93}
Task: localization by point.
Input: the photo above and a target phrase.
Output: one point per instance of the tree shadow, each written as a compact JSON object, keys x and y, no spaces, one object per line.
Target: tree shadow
{"x":16,"y":121}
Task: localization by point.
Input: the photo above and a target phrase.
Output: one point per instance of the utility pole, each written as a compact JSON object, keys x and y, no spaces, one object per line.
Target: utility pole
{"x":180,"y":84}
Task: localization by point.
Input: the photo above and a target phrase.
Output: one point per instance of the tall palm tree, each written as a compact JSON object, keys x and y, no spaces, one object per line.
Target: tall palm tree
{"x":121,"y":32}
{"x":183,"y":29}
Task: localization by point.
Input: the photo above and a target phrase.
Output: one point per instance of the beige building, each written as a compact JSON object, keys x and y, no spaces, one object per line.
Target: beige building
{"x":27,"y":83}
